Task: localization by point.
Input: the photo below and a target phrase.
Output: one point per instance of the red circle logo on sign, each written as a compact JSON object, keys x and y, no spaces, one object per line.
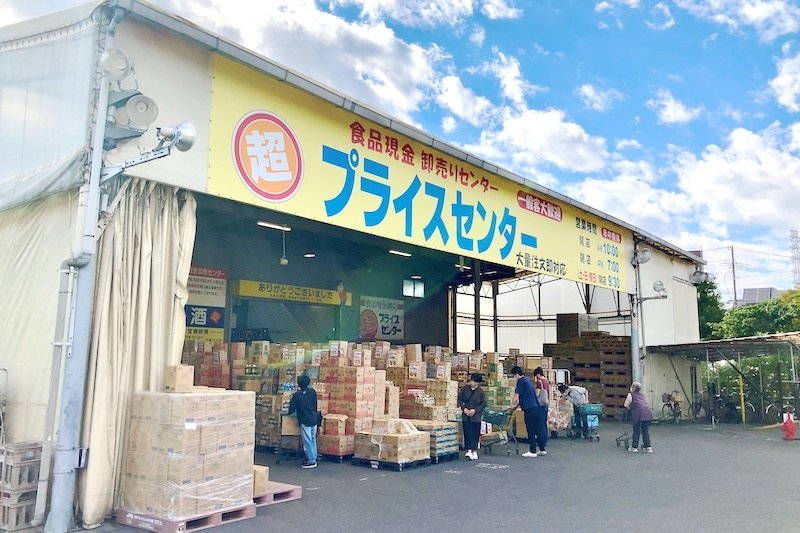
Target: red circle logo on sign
{"x":267,"y":156}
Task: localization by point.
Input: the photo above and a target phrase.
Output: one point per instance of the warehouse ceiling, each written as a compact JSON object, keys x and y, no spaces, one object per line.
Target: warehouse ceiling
{"x":352,"y":249}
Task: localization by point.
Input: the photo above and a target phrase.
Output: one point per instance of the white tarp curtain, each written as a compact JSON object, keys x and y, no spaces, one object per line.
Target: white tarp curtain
{"x":35,"y":239}
{"x":143,"y":268}
{"x":45,"y":100}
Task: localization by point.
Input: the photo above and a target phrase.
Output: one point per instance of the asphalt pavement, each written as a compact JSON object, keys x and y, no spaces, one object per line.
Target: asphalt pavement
{"x":697,"y":480}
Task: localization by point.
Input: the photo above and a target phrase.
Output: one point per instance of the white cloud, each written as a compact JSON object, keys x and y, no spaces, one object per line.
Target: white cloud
{"x":448,"y":124}
{"x":662,"y":18}
{"x":367,"y":62}
{"x":786,"y":85}
{"x":508,"y":73}
{"x":625,"y":144}
{"x":770,"y":18}
{"x":534,"y":139}
{"x":8,"y":15}
{"x":462,"y":102}
{"x":631,"y":195}
{"x":602,"y":6}
{"x":751,"y":183}
{"x":670,"y":110}
{"x":598,"y":99}
{"x":500,"y":9}
{"x":478,"y":36}
{"x":413,"y":13}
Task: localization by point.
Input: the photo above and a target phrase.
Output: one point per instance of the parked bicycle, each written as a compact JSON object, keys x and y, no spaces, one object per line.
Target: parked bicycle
{"x":773,"y":413}
{"x":671,"y":410}
{"x":722,"y":408}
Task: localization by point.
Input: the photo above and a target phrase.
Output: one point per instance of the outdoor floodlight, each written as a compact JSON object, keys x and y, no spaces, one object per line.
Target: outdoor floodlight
{"x":115,"y":64}
{"x":180,"y":137}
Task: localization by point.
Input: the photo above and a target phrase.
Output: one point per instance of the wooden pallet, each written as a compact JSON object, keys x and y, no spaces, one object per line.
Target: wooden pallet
{"x":444,"y":458}
{"x":386,"y":465}
{"x":277,"y":493}
{"x":185,"y":525}
{"x":335,"y":458}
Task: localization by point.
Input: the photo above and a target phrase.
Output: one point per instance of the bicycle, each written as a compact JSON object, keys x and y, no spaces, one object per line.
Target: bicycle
{"x":723,"y":409}
{"x":671,"y":410}
{"x":773,"y":413}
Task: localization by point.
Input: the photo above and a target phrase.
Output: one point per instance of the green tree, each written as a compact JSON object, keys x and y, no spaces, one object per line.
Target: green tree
{"x":792,"y":297}
{"x":709,"y":308}
{"x":770,"y":316}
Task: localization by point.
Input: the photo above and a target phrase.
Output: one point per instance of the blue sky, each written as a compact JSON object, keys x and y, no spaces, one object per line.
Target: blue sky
{"x":681,"y":116}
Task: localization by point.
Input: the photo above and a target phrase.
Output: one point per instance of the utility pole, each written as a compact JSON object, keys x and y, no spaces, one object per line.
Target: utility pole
{"x":733,"y":267}
{"x":795,"y":240}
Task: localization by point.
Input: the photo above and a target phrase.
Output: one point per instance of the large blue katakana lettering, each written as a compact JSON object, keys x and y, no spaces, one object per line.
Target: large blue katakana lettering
{"x":464,"y":214}
{"x":436,"y":222}
{"x":334,"y":206}
{"x":508,"y":229}
{"x":486,"y":242}
{"x":376,"y":188}
{"x":404,"y":202}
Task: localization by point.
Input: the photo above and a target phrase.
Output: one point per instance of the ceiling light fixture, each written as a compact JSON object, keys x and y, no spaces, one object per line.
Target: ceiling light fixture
{"x":463,"y":267}
{"x":416,"y":276}
{"x":401,"y":254}
{"x":270,"y":225}
{"x":309,"y":255}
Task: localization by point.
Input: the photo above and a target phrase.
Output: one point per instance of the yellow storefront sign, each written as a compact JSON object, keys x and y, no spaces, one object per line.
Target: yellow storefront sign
{"x":293,"y":293}
{"x":275,"y":146}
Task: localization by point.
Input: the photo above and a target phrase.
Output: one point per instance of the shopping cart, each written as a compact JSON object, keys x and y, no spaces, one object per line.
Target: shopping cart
{"x":503,"y":430}
{"x":592,"y":412}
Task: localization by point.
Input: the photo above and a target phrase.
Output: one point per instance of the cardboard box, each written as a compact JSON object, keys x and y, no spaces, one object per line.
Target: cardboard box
{"x":334,"y":424}
{"x":179,"y":378}
{"x":184,"y":470}
{"x":413,"y":353}
{"x":289,"y":425}
{"x":260,"y":480}
{"x":337,"y":445}
{"x":214,"y":465}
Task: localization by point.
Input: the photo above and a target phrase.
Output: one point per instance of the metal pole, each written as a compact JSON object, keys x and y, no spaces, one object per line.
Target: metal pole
{"x":733,"y":267}
{"x":454,"y":316}
{"x":741,"y":391}
{"x":495,"y":289}
{"x":67,"y":450}
{"x":761,"y":388}
{"x":710,"y":406}
{"x":476,"y":280}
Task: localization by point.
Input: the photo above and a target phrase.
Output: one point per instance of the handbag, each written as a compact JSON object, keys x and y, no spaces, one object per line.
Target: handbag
{"x":319,"y":418}
{"x":626,"y":415}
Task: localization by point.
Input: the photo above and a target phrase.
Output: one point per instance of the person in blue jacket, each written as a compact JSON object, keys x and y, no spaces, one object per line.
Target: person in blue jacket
{"x":534,"y":412}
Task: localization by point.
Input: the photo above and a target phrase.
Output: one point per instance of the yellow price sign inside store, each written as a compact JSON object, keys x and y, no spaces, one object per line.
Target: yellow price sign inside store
{"x":281,"y":148}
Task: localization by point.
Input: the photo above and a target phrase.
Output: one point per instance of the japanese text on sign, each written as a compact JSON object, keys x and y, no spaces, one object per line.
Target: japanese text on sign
{"x":293,"y":293}
{"x":381,"y":318}
{"x":381,"y":142}
{"x":473,"y":226}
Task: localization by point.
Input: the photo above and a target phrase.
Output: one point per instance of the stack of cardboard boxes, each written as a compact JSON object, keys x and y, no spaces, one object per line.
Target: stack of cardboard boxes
{"x":189,"y":454}
{"x":444,"y":436}
{"x":392,"y":441}
{"x":210,"y":362}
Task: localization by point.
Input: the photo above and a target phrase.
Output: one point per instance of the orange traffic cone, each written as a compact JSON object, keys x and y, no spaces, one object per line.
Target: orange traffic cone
{"x":789,"y":427}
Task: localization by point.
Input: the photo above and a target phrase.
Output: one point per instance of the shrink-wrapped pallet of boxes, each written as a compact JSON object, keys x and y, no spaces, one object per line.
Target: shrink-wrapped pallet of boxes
{"x":188,"y":455}
{"x":392,"y":441}
{"x":444,"y":436}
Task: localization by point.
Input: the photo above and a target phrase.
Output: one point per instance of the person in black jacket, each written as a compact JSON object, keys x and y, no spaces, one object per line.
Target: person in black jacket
{"x":472,"y":401}
{"x":304,"y":403}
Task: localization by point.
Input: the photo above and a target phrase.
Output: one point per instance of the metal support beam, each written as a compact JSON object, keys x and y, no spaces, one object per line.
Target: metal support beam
{"x":495,"y":289}
{"x":476,"y":280}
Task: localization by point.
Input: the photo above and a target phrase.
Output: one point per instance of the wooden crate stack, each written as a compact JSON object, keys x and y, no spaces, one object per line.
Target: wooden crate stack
{"x":19,"y":478}
{"x":599,"y":362}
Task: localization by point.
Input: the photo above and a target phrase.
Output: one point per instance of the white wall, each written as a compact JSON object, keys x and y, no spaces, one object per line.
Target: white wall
{"x":177,"y":76}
